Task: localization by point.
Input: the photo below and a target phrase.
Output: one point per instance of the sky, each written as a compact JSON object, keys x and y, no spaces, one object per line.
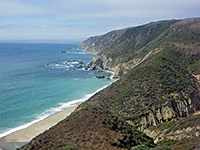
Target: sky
{"x":80,"y":19}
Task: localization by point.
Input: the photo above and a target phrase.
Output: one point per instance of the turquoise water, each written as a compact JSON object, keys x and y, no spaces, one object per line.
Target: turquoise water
{"x":37,"y":80}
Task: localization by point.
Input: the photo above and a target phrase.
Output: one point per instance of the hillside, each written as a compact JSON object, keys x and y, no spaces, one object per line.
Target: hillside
{"x":157,"y":83}
{"x":90,"y":128}
{"x":134,"y":45}
{"x":157,"y":95}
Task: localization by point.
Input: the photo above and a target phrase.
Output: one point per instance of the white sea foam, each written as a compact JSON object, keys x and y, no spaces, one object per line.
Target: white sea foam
{"x":74,"y":62}
{"x":71,"y":62}
{"x":111,"y":72}
{"x":59,"y":66}
{"x":76,"y":79}
{"x":72,"y":52}
{"x":51,"y":111}
{"x":75,"y":52}
{"x":64,"y":65}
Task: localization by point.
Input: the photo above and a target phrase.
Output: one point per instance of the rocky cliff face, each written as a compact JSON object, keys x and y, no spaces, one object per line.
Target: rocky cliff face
{"x":167,"y":113}
{"x":103,"y":63}
{"x":187,"y":127}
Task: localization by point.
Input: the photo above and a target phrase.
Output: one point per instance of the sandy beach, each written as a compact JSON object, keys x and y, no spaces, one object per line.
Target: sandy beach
{"x":25,"y":135}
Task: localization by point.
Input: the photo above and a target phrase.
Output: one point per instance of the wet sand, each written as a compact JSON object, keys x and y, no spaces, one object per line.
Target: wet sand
{"x":26,"y":134}
{"x":30,"y":132}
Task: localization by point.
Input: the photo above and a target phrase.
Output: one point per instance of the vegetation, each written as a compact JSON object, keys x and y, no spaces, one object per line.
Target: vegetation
{"x":69,"y":148}
{"x":161,"y":79}
{"x":90,"y":128}
{"x":164,"y":78}
{"x":140,"y":147}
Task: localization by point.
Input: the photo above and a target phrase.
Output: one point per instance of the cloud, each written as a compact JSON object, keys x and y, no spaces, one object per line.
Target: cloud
{"x":92,"y":8}
{"x":87,"y":17}
{"x":19,"y":8}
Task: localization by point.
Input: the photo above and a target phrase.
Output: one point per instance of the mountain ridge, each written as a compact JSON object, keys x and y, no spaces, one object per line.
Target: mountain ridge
{"x":159,"y":77}
{"x":131,"y":48}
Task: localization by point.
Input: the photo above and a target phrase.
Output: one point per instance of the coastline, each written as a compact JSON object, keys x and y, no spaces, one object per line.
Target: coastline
{"x":26,"y":134}
{"x":21,"y":137}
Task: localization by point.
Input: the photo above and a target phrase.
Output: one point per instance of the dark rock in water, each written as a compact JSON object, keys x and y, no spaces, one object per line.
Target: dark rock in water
{"x":108,"y":78}
{"x":63,"y":51}
{"x":109,"y":74}
{"x":81,"y":62}
{"x":80,"y":66}
{"x":100,"y":77}
{"x":85,"y":68}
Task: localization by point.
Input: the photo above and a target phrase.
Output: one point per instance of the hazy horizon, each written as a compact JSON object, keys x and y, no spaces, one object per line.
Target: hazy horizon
{"x":64,"y":20}
{"x":73,"y":41}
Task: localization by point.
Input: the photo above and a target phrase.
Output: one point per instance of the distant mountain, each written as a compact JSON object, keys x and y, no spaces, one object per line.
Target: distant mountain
{"x":158,"y":92}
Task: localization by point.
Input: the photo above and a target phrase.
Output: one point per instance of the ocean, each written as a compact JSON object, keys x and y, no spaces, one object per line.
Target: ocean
{"x":38,"y":80}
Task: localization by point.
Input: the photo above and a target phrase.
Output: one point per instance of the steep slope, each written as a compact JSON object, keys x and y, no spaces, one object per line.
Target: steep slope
{"x":187,"y":127}
{"x":125,"y":49}
{"x":160,"y":86}
{"x":96,"y":44}
{"x":158,"y":91}
{"x":90,"y":128}
{"x":137,"y":44}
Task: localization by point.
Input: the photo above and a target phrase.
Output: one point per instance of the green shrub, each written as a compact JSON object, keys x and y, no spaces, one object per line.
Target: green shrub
{"x":162,"y":148}
{"x":140,"y":147}
{"x":69,"y":148}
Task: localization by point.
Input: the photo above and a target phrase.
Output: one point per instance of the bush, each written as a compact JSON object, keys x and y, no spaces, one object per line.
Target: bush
{"x":69,"y":148}
{"x":140,"y":147}
{"x":162,"y":148}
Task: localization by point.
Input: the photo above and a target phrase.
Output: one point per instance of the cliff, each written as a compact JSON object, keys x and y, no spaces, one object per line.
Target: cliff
{"x":158,"y":64}
{"x":122,"y":50}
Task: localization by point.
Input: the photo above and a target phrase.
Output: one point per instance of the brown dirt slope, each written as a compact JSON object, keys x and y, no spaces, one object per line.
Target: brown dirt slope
{"x":90,"y":128}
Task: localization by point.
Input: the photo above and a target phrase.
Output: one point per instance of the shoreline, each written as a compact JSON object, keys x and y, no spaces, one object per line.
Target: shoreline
{"x":21,"y":137}
{"x":26,"y":134}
